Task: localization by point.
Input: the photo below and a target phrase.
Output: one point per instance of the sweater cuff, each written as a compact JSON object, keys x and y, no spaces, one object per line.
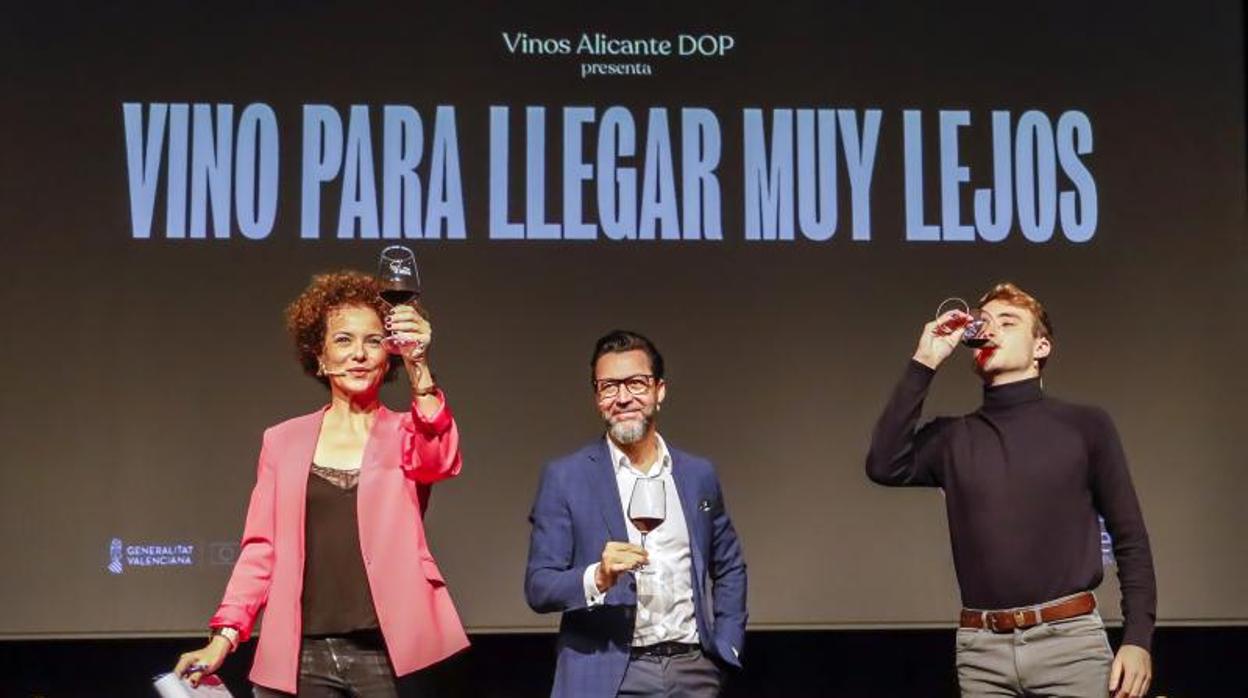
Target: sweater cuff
{"x":1138,"y":635}
{"x":918,"y":375}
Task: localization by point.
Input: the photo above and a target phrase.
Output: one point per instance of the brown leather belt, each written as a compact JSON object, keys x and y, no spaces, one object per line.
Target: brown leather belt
{"x":1022,"y":618}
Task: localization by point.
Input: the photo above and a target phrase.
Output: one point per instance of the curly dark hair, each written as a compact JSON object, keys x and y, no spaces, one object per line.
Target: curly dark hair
{"x":306,"y":315}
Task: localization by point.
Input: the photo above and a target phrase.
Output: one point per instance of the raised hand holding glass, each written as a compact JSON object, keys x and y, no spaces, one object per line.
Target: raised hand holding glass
{"x":400,"y":285}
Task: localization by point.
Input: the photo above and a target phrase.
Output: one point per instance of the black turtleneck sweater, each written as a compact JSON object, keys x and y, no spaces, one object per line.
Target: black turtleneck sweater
{"x":1024,"y":478}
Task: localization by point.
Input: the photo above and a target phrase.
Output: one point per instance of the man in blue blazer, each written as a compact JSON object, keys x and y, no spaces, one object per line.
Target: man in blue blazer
{"x":660,"y":614}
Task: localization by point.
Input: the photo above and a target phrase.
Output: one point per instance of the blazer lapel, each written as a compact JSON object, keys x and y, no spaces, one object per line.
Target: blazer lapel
{"x":368,"y":496}
{"x":687,"y":488}
{"x":373,"y":450}
{"x":295,"y":466}
{"x":301,"y":446}
{"x":607,"y":492}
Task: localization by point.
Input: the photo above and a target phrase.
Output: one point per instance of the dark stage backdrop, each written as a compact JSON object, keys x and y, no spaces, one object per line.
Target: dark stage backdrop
{"x":780,"y":194}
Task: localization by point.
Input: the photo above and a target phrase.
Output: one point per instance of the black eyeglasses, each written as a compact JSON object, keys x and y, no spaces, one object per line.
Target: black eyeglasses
{"x":635,"y":385}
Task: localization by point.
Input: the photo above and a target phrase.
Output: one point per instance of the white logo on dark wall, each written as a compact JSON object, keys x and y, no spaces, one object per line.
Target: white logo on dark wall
{"x":114,"y":556}
{"x":605,"y":55}
{"x":148,"y":555}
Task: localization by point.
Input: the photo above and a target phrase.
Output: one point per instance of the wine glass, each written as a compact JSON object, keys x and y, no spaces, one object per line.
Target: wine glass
{"x":973,"y":322}
{"x":647,"y":507}
{"x":400,"y":284}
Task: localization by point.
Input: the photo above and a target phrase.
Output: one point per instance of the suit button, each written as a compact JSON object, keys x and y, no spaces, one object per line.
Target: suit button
{"x":632,"y":586}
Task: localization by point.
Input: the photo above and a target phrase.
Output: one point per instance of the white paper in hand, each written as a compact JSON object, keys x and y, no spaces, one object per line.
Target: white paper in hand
{"x":170,"y":686}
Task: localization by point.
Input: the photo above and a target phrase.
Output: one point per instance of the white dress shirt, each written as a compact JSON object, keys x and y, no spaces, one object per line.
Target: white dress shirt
{"x":665,"y":585}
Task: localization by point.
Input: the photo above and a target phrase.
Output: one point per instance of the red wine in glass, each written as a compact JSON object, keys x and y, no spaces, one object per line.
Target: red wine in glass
{"x":647,"y":507}
{"x":400,"y":284}
{"x":397,"y":296}
{"x":974,"y":337}
{"x":973,"y":323}
{"x":646,"y":524}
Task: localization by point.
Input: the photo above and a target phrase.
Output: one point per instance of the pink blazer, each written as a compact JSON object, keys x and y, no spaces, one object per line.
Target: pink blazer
{"x":405,"y":454}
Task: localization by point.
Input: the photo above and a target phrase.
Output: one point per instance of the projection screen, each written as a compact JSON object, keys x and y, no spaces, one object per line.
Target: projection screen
{"x":778,"y":194}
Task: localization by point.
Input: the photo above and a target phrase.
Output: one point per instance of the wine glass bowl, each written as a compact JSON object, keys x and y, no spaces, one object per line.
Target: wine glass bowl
{"x":975,"y":334}
{"x":973,"y":323}
{"x":399,"y":278}
{"x":647,"y":507}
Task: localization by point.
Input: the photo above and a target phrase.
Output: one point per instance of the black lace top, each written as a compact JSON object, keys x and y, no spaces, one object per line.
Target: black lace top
{"x":336,"y":595}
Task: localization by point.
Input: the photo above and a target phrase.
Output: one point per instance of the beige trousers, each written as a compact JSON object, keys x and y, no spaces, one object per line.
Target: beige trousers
{"x":1068,"y":658}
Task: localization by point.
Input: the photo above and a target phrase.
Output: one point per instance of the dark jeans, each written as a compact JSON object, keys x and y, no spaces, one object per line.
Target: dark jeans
{"x":354,"y":665}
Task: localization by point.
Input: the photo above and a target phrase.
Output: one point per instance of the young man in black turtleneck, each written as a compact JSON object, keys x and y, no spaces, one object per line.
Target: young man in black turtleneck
{"x":1025,"y":477}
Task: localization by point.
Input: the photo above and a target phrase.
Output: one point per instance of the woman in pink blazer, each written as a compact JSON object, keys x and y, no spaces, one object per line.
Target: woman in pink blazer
{"x":334,"y":546}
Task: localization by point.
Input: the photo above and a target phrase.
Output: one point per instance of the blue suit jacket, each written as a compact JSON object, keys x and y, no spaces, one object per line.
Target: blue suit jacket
{"x":576,"y":513}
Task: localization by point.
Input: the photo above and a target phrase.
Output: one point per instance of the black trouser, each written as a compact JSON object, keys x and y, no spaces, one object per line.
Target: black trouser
{"x":354,"y":665}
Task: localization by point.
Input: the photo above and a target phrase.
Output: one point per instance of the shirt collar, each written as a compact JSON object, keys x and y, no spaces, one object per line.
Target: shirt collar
{"x":620,"y":460}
